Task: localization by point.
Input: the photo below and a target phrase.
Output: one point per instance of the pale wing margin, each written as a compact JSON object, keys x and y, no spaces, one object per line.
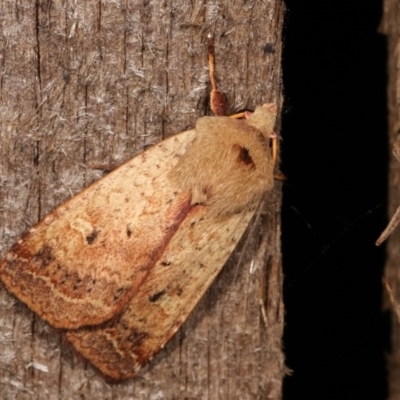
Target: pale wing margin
{"x":81,"y":264}
{"x":189,"y":264}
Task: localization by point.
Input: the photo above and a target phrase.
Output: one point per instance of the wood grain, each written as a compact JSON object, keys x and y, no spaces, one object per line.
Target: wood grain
{"x":88,"y":83}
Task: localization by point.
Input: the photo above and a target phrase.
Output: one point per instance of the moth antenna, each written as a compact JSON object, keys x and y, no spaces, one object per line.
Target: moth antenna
{"x":217,"y":100}
{"x":274,"y":150}
{"x":238,"y":115}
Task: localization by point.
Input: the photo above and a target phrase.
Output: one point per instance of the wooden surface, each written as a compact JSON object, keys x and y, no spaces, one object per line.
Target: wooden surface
{"x":390,"y":26}
{"x":94,"y":83}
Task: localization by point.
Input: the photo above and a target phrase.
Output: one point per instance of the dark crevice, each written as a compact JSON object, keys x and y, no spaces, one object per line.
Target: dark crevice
{"x":334,"y":153}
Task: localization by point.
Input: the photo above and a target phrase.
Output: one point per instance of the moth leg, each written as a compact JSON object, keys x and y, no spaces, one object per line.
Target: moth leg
{"x":218,"y":104}
{"x":106,"y":168}
{"x":217,"y":100}
{"x":274,"y":151}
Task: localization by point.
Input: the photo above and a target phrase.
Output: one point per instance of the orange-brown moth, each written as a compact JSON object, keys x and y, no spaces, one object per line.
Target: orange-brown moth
{"x":122,"y":264}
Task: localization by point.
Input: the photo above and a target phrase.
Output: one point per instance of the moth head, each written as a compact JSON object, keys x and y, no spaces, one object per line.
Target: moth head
{"x":264,"y":118}
{"x":228,"y":166}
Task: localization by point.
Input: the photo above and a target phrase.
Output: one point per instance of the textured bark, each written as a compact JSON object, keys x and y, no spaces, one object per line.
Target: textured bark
{"x":391,"y":27}
{"x":95,"y":82}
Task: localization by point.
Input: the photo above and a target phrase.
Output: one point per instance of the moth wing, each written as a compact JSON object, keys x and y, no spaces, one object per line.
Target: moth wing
{"x":188,"y":266}
{"x":82,"y":263}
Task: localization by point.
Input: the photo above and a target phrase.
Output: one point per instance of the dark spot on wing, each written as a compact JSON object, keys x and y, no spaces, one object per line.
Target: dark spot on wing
{"x":44,"y":256}
{"x":137,"y":338}
{"x":156,"y":296}
{"x":92,"y":237}
{"x":118,"y":293}
{"x":77,"y":283}
{"x":166,"y":263}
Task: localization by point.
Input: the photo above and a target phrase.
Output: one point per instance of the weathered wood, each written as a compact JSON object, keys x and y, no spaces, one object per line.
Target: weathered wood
{"x":390,"y":26}
{"x":94,"y":82}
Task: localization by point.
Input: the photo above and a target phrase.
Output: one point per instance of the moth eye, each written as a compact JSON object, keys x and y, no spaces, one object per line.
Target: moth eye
{"x":244,"y":156}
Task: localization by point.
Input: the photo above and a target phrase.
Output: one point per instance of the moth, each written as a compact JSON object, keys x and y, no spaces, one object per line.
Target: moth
{"x":121,"y":265}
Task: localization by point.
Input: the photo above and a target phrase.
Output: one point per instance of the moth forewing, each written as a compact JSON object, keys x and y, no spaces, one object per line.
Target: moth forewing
{"x":81,"y":264}
{"x":188,"y":266}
